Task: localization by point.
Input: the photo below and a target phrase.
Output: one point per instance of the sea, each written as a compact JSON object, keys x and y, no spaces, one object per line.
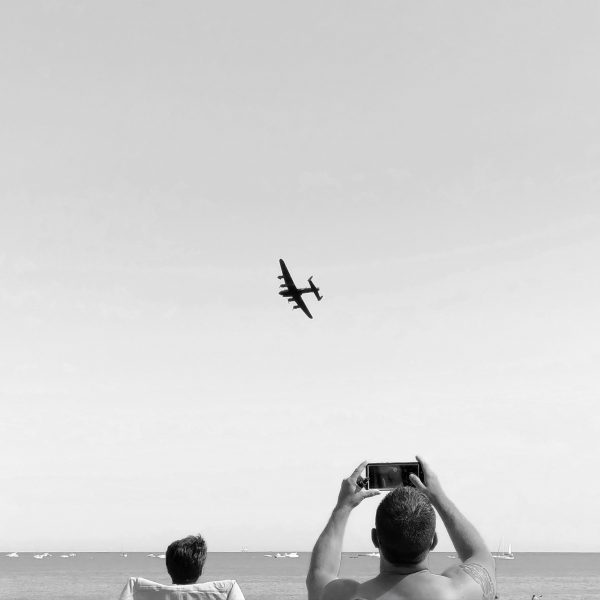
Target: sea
{"x":102,"y":575}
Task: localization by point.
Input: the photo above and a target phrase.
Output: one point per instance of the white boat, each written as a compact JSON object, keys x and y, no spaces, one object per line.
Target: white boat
{"x":41,"y":556}
{"x":124,"y":554}
{"x":505,"y":555}
{"x":371,"y":554}
{"x":287,"y":555}
{"x":244,"y":549}
{"x":13,"y":555}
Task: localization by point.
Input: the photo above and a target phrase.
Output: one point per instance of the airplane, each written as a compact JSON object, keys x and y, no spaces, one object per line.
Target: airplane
{"x":294,"y":294}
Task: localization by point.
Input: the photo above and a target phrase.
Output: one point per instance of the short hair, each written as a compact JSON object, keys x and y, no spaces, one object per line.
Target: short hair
{"x":405,"y":525}
{"x":185,"y":559}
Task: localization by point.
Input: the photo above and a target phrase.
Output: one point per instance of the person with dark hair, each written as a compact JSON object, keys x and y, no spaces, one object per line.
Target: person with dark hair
{"x":404,"y":533}
{"x":185,"y":560}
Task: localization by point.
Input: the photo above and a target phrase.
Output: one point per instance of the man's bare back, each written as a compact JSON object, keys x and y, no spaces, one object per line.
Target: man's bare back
{"x":422,"y":585}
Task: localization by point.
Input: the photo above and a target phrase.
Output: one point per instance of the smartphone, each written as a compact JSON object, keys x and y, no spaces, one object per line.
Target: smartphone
{"x":387,"y":476}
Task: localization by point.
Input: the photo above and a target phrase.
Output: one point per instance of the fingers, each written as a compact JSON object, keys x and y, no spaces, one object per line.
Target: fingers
{"x":417,"y":482}
{"x":358,"y":470}
{"x":370,"y":493}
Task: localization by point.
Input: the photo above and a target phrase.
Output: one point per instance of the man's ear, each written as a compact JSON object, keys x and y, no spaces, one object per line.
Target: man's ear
{"x":434,"y":541}
{"x":374,"y":537}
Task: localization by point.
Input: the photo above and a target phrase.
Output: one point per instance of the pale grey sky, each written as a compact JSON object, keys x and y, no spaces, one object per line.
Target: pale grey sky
{"x":435,"y":166}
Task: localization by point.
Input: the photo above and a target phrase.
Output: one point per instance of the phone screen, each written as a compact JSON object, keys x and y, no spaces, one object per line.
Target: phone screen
{"x":387,"y":476}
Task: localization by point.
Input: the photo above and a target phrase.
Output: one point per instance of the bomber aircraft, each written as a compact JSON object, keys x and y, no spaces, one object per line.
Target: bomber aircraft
{"x":294,"y":294}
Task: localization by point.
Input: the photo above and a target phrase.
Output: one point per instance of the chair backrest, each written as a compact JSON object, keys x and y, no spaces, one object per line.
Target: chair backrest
{"x":138,"y":588}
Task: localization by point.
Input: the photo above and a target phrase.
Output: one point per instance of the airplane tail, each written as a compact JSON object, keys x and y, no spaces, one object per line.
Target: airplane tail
{"x":314,"y":288}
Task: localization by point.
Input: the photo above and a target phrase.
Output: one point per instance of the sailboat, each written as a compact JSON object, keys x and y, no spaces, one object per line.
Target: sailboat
{"x":505,"y":555}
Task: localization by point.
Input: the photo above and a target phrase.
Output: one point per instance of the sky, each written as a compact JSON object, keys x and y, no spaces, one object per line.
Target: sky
{"x":434,"y":165}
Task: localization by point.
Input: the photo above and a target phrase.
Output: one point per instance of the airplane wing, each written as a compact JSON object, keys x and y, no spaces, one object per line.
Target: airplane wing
{"x":300,"y":304}
{"x":287,"y":278}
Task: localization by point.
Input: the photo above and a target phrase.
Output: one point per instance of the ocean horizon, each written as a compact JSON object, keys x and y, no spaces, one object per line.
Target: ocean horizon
{"x":102,"y":575}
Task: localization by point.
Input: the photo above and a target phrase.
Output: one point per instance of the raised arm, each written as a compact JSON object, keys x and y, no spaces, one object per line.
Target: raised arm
{"x":327,"y":553}
{"x":477,"y":562}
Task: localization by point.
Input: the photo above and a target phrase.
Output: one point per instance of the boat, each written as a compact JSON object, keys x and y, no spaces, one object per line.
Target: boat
{"x":41,"y":556}
{"x":504,"y":555}
{"x":287,"y":555}
{"x":371,"y":554}
{"x":13,"y":555}
{"x":244,"y":549}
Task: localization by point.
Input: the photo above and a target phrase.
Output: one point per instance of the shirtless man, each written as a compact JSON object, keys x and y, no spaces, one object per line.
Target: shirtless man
{"x":405,"y":534}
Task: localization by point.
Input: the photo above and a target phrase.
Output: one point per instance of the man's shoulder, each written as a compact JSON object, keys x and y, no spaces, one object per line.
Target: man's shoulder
{"x":340,"y":589}
{"x":473,"y":579}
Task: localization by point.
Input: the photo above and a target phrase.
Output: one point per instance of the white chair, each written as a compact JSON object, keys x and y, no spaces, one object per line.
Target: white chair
{"x":138,"y":588}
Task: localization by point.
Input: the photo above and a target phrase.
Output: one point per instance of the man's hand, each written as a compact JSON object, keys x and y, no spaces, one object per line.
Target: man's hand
{"x":352,"y":492}
{"x":430,"y":485}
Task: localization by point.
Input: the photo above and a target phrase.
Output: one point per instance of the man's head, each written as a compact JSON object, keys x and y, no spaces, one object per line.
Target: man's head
{"x":185,"y":559}
{"x":405,"y":526}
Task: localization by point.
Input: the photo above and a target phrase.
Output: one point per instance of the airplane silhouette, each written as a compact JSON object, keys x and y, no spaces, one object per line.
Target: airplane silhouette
{"x":294,"y":294}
